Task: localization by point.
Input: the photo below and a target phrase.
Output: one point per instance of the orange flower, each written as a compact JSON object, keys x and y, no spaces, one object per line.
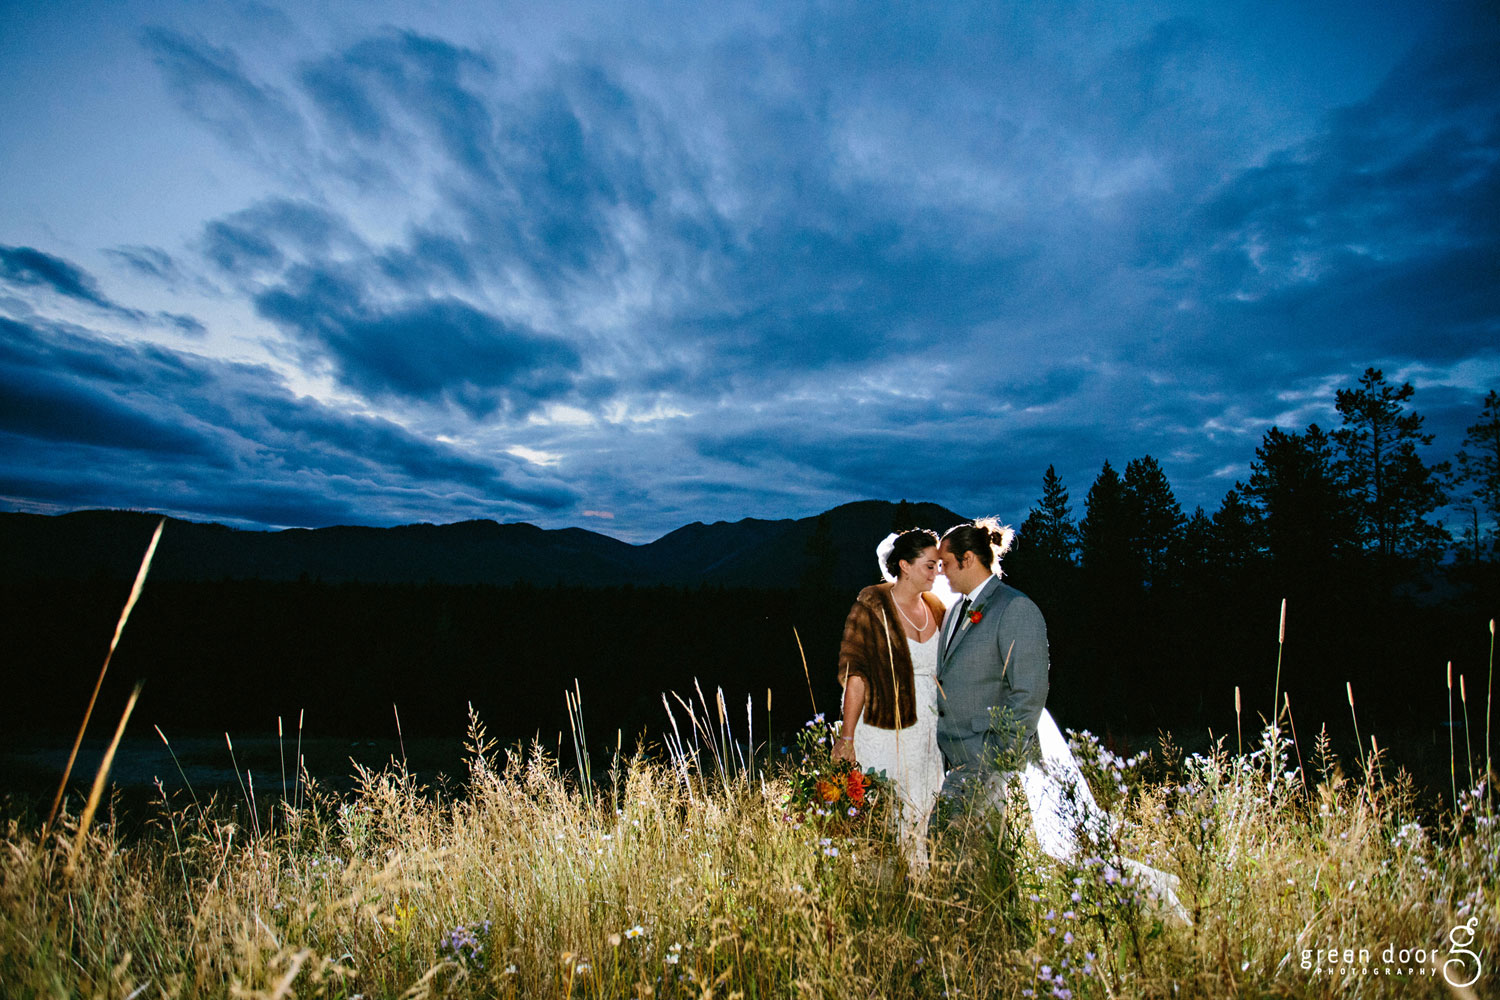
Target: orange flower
{"x":855,"y":784}
{"x":828,"y":791}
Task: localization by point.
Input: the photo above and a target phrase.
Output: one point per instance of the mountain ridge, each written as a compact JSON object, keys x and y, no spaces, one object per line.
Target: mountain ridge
{"x":750,"y":552}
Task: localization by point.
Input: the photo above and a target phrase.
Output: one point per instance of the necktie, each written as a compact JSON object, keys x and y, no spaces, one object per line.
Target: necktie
{"x":958,"y":623}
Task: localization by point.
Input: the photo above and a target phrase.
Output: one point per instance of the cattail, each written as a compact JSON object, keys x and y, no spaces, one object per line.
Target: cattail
{"x":1463,"y":696}
{"x":281,"y":754}
{"x":1452,"y":751}
{"x":254,"y":813}
{"x":1489,"y":701}
{"x":180,"y":771}
{"x":1276,"y":688}
{"x":400,"y":738}
{"x":769,"y":732}
{"x":300,"y":713}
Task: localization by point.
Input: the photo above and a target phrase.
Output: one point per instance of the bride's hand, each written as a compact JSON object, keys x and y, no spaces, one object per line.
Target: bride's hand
{"x":843,"y":749}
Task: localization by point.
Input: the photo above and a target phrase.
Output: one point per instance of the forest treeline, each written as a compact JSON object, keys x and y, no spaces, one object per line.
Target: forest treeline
{"x":1159,"y":614}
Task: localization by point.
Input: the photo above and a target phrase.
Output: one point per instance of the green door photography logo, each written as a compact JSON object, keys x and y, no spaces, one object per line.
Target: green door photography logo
{"x":1456,"y":968}
{"x":1460,"y":965}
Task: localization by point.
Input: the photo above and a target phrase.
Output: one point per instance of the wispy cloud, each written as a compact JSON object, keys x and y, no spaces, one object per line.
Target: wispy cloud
{"x":178,"y":431}
{"x":28,"y":266}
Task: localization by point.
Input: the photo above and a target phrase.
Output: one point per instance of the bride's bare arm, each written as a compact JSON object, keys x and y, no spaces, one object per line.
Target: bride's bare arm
{"x":854,"y":703}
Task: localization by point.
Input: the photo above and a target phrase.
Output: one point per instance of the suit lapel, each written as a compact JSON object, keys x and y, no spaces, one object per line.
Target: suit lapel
{"x":964,"y":628}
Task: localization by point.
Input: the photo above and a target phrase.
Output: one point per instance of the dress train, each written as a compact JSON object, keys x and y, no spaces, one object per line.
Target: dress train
{"x":1062,"y":806}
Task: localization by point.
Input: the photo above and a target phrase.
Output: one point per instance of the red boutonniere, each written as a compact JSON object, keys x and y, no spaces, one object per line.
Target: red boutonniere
{"x":976,"y":615}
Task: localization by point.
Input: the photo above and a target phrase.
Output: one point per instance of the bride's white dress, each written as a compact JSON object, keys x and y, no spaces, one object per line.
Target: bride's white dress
{"x":1058,"y":795}
{"x":910,"y":757}
{"x":1062,"y":807}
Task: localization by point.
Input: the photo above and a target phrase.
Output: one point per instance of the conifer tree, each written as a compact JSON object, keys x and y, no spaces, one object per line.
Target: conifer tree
{"x":1105,"y":534}
{"x":1156,"y":521}
{"x":1393,"y":491}
{"x":904,"y":517}
{"x":1199,"y":545}
{"x":1299,"y":503}
{"x":1479,"y":469}
{"x":1236,"y":535}
{"x":1048,"y":535}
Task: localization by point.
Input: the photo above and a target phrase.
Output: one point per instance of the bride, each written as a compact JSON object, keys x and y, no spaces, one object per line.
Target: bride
{"x":888,"y":667}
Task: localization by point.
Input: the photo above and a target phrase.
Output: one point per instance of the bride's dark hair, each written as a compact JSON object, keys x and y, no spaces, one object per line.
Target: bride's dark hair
{"x":986,"y":538}
{"x":906,"y":546}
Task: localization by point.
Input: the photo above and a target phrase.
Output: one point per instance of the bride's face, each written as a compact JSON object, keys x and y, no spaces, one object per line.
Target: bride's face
{"x":923,"y":570}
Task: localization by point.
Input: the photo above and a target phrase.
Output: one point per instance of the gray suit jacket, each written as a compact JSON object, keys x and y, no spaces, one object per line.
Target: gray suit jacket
{"x":1000,"y":662}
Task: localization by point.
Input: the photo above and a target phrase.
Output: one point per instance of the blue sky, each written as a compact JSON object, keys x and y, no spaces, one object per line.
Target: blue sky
{"x":628,"y":266}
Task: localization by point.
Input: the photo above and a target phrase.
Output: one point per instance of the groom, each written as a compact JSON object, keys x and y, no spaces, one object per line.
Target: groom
{"x":992,"y":665}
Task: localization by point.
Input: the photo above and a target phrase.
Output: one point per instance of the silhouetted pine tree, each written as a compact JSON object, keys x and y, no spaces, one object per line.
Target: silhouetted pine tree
{"x":1199,"y":545}
{"x":1236,"y":544}
{"x":904,"y":517}
{"x":1105,"y":536}
{"x":1479,"y":470}
{"x":1302,"y":510}
{"x":1048,"y":534}
{"x":1043,"y":561}
{"x":1393,"y":490}
{"x":1156,"y":522}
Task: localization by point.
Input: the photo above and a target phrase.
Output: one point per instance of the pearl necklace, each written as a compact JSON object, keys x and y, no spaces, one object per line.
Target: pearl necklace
{"x":920,"y":628}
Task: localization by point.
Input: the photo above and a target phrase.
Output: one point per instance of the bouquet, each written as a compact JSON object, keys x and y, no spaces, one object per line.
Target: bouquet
{"x":834,"y":795}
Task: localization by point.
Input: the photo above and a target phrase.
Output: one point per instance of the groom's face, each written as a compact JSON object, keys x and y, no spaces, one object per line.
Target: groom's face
{"x":962,"y":574}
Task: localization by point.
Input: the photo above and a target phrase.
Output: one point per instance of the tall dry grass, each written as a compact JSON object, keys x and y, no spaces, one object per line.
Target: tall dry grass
{"x":681,"y":877}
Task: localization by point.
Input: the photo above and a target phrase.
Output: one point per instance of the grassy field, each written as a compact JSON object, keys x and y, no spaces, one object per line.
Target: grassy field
{"x":681,"y":874}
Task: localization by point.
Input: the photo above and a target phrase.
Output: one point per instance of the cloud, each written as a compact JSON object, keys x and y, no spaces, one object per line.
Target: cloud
{"x":436,"y":351}
{"x":28,"y":266}
{"x":153,"y":262}
{"x":135,"y":425}
{"x":398,"y":86}
{"x":49,"y":392}
{"x":263,"y":239}
{"x":210,"y":84}
{"x":189,"y":325}
{"x":1370,"y":242}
